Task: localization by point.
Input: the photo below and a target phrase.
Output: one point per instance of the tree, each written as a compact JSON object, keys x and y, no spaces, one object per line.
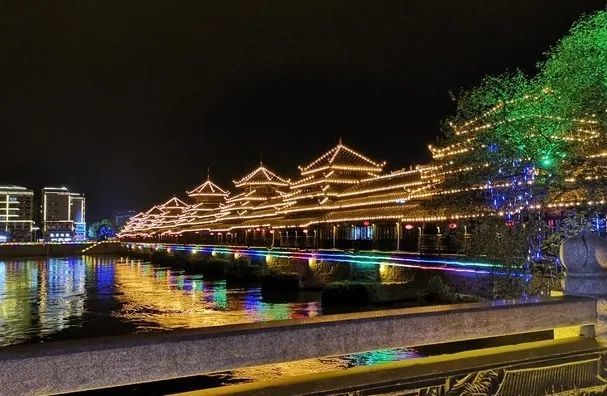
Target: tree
{"x":526,"y":141}
{"x":530,"y":138}
{"x":101,"y":230}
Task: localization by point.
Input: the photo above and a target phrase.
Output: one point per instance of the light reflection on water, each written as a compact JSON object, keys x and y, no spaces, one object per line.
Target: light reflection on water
{"x":310,"y":366}
{"x":165,"y":299}
{"x":78,"y":297}
{"x":39,"y":297}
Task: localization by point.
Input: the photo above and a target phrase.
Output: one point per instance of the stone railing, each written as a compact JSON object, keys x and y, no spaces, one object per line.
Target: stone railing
{"x":103,"y":362}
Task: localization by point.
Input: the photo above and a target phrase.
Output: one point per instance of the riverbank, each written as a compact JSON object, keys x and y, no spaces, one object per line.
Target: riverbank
{"x":55,"y":249}
{"x":14,"y":250}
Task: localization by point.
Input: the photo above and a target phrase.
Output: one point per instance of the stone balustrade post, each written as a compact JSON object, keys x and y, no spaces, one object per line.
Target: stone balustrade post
{"x":585,"y":259}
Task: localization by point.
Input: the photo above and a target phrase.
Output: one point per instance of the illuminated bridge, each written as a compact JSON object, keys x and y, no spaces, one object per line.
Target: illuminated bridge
{"x":396,"y":259}
{"x":345,"y":200}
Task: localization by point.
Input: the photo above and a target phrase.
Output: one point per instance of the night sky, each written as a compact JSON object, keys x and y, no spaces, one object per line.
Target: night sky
{"x":130,"y":101}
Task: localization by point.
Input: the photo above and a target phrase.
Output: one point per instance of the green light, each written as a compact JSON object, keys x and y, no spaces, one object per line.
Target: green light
{"x":547,"y":162}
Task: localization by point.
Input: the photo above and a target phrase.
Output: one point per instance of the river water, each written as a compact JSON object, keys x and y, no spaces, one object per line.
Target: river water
{"x":78,"y":297}
{"x":42,"y":300}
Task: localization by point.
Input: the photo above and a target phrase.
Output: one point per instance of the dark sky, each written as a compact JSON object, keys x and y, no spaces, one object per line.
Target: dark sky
{"x":130,"y":101}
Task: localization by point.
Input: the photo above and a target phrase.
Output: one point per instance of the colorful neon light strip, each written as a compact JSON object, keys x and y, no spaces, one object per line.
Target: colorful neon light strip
{"x":365,"y":258}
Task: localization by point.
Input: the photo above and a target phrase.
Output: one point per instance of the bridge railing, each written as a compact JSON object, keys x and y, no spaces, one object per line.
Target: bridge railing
{"x":58,"y":367}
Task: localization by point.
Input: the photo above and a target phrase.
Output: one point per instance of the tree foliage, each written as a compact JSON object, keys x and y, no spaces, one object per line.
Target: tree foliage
{"x":538,"y":128}
{"x":528,"y":138}
{"x":101,"y":230}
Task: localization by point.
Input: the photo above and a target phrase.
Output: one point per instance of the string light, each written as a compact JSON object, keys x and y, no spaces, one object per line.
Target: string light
{"x":365,"y":259}
{"x":332,"y":160}
{"x":536,"y":121}
{"x":208,"y":189}
{"x":260,"y":177}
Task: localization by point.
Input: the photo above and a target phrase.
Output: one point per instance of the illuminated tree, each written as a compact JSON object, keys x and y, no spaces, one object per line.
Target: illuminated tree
{"x":101,"y":230}
{"x":519,"y":142}
{"x":528,"y":137}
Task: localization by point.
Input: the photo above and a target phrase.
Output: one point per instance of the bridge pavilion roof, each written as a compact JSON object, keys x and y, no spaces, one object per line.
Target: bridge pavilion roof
{"x":262,"y":176}
{"x":208,"y":189}
{"x":342,"y":157}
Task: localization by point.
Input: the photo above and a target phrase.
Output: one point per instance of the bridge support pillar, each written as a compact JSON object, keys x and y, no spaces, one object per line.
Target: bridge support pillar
{"x":334,"y":235}
{"x":398,"y":235}
{"x":585,"y":259}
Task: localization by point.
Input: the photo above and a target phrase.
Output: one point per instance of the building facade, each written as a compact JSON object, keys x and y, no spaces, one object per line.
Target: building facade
{"x":63,"y":215}
{"x":16,"y":214}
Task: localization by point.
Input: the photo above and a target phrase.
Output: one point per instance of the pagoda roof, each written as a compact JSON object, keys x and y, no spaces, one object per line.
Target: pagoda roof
{"x":344,"y":158}
{"x":398,"y":180}
{"x":237,"y":197}
{"x":377,"y":213}
{"x":260,"y":176}
{"x":173,"y":203}
{"x":247,"y":196}
{"x":155,"y":210}
{"x":198,"y":208}
{"x":377,"y":198}
{"x":208,"y":189}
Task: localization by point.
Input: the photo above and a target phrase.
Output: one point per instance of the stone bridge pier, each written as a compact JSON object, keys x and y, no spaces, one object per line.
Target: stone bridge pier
{"x":585,"y":259}
{"x":316,"y":273}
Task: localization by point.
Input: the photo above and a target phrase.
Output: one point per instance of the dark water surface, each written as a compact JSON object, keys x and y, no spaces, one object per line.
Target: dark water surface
{"x":80,"y":297}
{"x":42,"y":300}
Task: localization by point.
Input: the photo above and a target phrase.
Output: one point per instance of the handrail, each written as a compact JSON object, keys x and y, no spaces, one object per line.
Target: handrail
{"x":111,"y":361}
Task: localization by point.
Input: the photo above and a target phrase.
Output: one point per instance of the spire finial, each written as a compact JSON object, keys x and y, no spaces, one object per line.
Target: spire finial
{"x":261,"y":159}
{"x":341,"y":143}
{"x":208,"y":173}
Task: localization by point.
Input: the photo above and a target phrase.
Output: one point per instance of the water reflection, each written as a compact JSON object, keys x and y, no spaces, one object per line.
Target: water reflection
{"x":310,"y":366}
{"x":67,"y":298}
{"x":17,"y":290}
{"x":61,"y":294}
{"x":160,"y":298}
{"x":39,"y":298}
{"x":78,"y":297}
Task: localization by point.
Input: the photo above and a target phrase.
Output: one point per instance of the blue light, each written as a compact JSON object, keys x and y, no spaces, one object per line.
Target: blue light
{"x":377,"y":259}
